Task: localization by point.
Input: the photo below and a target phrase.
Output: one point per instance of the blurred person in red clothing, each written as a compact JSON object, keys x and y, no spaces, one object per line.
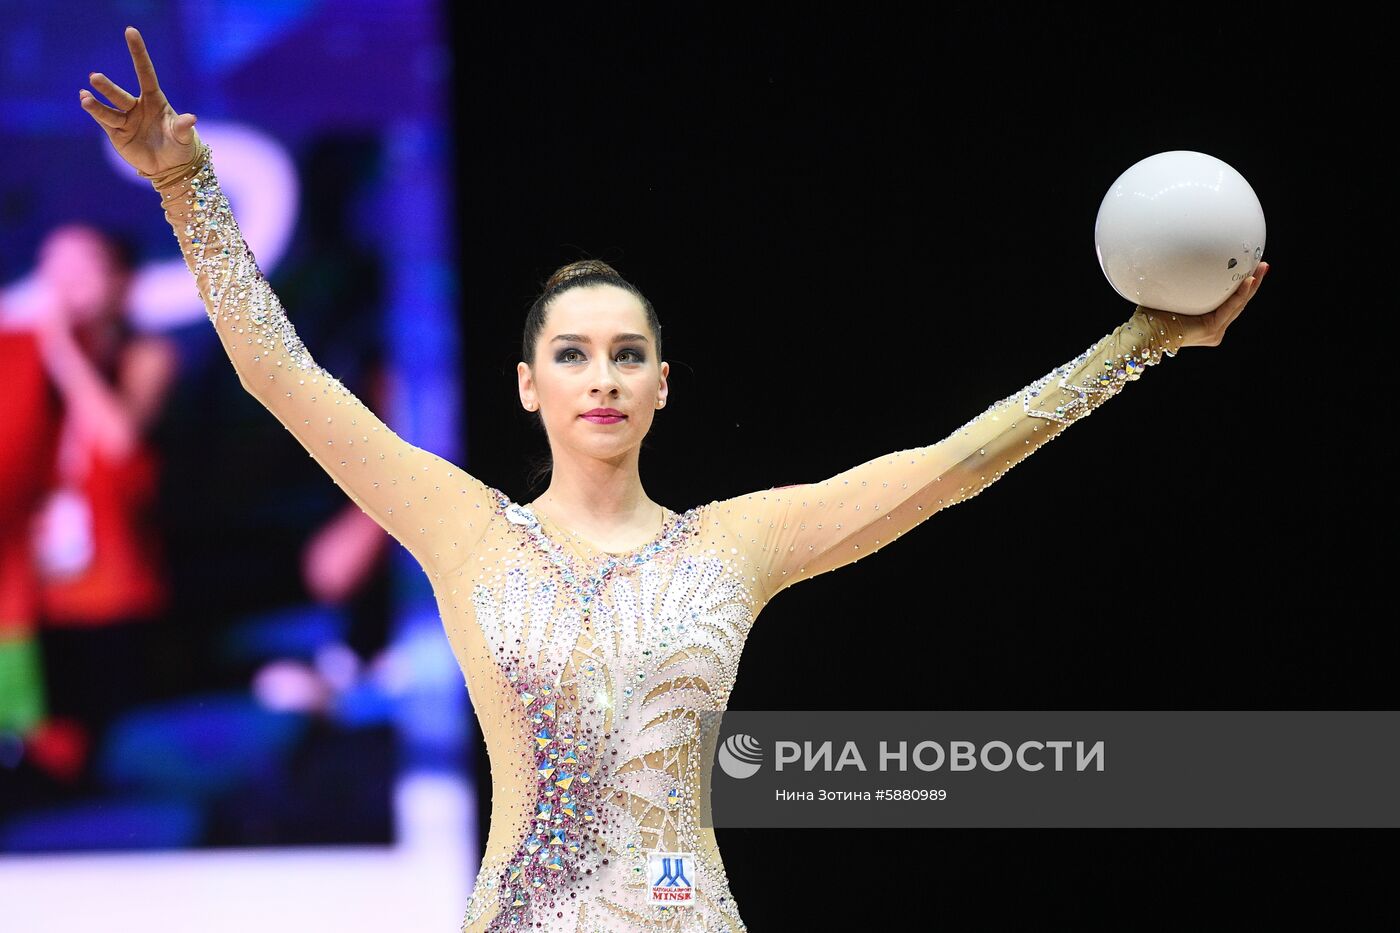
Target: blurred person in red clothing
{"x":93,"y":567}
{"x":28,"y":437}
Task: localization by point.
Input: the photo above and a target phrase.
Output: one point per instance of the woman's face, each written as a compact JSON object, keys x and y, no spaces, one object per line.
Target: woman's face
{"x":80,"y":268}
{"x":596,"y":351}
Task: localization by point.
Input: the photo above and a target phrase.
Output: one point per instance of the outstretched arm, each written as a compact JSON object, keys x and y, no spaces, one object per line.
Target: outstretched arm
{"x":793,"y":533}
{"x":437,"y":511}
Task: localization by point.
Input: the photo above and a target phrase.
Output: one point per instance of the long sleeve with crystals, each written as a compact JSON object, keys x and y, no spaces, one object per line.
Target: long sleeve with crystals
{"x":435,"y":509}
{"x":792,"y":533}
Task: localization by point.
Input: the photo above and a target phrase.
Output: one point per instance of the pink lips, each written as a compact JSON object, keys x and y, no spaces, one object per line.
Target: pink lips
{"x":603,"y":416}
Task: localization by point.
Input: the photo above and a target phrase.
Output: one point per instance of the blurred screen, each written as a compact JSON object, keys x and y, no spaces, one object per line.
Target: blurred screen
{"x":204,"y":645}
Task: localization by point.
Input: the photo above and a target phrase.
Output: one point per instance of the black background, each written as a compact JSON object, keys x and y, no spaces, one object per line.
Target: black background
{"x":860,"y":228}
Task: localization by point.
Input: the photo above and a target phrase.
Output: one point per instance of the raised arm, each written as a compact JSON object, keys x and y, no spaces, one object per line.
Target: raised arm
{"x":794,"y":533}
{"x":435,"y":509}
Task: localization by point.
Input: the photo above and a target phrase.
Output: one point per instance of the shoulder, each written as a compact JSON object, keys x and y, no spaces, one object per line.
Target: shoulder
{"x":745,"y":520}
{"x":759,"y":505}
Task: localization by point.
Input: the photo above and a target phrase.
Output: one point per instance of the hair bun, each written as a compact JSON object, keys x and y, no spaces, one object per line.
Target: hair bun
{"x":579,"y":268}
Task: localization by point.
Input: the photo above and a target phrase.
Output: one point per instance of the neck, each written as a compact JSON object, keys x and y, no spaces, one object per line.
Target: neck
{"x":597,"y":492}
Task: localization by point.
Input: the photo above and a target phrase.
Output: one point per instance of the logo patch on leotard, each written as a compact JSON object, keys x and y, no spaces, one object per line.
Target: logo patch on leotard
{"x":672,"y":878}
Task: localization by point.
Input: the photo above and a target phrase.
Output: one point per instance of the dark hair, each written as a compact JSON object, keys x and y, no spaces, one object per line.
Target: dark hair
{"x":573,"y":275}
{"x":123,"y":250}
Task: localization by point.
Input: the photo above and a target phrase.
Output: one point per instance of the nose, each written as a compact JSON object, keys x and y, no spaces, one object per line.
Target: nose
{"x":605,"y":378}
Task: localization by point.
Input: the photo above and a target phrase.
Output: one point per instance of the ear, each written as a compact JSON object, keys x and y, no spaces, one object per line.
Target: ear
{"x":525,"y":385}
{"x":665,"y":387}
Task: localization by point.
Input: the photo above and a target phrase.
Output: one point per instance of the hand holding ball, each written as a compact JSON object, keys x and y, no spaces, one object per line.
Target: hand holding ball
{"x":1179,"y":231}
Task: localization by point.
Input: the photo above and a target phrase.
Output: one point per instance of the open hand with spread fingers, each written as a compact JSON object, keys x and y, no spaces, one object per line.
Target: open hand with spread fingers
{"x":146,"y":131}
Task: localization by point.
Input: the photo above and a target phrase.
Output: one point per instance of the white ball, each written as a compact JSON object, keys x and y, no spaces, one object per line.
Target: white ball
{"x":1178,"y":232}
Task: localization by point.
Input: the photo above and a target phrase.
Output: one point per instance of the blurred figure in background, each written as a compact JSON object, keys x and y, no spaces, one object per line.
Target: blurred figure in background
{"x":96,"y":570}
{"x":28,"y":438}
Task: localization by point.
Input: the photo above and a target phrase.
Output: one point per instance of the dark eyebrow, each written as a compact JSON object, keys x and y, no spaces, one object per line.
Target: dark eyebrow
{"x":579,"y":338}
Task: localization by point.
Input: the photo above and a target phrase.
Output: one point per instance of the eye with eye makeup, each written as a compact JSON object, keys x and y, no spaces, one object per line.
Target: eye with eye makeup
{"x":563,"y":356}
